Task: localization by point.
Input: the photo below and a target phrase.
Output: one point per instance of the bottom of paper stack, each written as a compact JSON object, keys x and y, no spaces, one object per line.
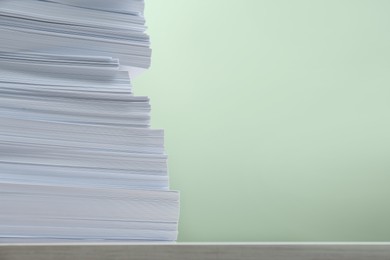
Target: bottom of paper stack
{"x":44,"y":213}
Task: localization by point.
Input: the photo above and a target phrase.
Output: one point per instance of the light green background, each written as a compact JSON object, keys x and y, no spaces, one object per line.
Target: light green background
{"x":276,"y":115}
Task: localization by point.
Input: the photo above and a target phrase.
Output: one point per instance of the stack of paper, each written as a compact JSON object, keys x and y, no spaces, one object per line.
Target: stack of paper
{"x":78,"y":160}
{"x":85,"y":27}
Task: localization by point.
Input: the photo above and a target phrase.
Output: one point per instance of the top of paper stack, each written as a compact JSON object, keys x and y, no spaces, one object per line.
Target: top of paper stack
{"x":77,"y":27}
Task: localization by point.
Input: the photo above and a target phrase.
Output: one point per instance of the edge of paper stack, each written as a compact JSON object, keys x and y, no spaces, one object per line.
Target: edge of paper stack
{"x":78,"y":159}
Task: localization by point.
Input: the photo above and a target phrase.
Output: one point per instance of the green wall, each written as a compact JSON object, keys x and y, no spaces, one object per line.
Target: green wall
{"x":277,"y":116}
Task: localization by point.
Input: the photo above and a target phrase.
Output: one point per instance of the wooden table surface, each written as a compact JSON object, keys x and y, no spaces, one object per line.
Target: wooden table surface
{"x":198,"y":251}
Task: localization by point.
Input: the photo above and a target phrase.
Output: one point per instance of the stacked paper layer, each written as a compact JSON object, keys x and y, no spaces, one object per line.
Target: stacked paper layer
{"x":49,"y":213}
{"x":84,"y":27}
{"x":78,"y":160}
